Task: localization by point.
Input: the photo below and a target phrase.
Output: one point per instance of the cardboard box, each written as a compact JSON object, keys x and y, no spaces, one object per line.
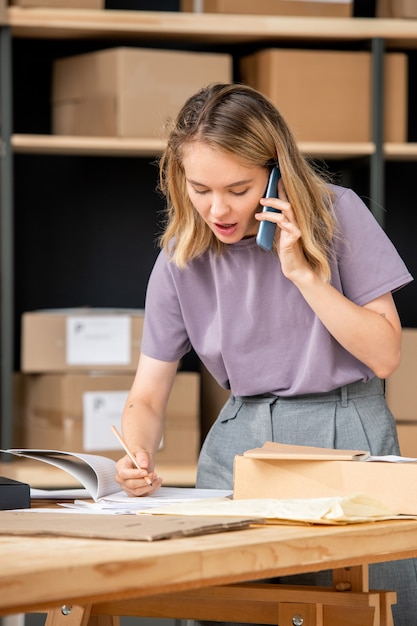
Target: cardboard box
{"x":401,"y":386}
{"x":315,"y":8}
{"x":3,"y":12}
{"x":396,"y":8}
{"x":129,"y":92}
{"x":75,"y":412}
{"x":393,"y":484}
{"x":327,"y":95}
{"x":60,"y":4}
{"x":407,"y":436}
{"x":81,"y":340}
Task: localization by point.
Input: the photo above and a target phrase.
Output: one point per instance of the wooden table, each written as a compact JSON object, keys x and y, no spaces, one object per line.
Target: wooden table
{"x":81,"y":579}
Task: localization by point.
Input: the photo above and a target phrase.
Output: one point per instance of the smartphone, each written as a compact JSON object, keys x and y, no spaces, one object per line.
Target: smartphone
{"x":266,"y":231}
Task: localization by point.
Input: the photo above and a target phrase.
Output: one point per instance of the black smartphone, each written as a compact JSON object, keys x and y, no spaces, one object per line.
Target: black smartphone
{"x":266,"y":230}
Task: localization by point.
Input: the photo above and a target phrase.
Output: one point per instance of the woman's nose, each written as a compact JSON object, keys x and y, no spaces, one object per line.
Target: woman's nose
{"x":218,"y":207}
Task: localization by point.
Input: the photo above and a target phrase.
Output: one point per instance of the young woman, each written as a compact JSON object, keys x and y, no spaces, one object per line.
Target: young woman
{"x":301,"y":335}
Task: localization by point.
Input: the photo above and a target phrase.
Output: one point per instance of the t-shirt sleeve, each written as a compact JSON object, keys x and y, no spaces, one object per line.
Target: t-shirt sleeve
{"x":164,"y":335}
{"x":368,"y":263}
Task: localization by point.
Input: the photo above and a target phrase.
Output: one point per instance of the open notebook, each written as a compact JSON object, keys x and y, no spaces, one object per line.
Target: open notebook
{"x":97,"y":475}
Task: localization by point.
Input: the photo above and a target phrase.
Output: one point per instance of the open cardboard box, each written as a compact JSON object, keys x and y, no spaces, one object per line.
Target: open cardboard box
{"x":283,"y":471}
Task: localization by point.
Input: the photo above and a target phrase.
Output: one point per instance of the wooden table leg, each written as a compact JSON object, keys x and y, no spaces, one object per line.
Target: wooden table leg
{"x":351,"y":578}
{"x":77,"y":615}
{"x":357,"y":579}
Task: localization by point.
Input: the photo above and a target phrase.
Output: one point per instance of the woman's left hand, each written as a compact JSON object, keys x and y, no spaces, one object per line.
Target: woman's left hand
{"x":287,"y":236}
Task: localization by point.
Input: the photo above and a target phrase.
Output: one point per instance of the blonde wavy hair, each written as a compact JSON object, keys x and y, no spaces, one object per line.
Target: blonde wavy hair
{"x":241,"y":122}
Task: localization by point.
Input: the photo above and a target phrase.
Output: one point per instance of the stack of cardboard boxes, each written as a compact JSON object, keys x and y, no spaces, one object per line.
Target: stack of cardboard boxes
{"x":78,"y":366}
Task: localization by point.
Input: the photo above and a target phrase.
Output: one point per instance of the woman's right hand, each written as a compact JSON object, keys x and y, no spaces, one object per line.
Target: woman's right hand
{"x":134,"y":481}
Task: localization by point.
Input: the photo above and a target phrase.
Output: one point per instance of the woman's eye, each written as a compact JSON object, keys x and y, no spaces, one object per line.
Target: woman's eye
{"x":200,"y":192}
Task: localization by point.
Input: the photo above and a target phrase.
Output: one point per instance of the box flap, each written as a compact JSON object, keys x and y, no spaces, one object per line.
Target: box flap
{"x":272,"y":450}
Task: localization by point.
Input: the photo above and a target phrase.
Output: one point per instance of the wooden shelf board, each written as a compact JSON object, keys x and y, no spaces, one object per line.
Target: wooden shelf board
{"x":114,"y":146}
{"x":203,"y":27}
{"x":400,"y":151}
{"x":336,"y":150}
{"x":95,"y":146}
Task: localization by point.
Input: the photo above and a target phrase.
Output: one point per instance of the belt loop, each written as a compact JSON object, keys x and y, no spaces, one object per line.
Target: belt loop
{"x":344,"y":395}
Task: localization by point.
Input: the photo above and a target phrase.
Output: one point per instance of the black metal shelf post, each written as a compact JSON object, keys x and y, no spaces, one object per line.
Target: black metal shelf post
{"x":6,"y":240}
{"x":377,"y":169}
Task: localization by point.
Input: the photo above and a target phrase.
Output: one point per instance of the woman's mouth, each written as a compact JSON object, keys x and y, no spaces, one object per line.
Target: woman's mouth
{"x":225,"y":229}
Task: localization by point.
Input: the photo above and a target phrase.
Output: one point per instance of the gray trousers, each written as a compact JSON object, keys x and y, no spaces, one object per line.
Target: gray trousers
{"x":355,"y":416}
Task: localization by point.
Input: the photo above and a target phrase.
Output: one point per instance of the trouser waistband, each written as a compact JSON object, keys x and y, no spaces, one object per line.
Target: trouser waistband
{"x":342,"y":394}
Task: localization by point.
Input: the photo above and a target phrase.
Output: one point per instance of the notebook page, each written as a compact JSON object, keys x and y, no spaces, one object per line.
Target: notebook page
{"x":164,"y":495}
{"x":96,"y":473}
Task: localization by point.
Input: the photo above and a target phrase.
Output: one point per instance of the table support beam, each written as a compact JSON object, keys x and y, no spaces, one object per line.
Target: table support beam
{"x":262,"y":603}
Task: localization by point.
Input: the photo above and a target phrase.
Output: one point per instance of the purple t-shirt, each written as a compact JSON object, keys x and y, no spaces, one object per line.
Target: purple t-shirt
{"x":250,"y":325}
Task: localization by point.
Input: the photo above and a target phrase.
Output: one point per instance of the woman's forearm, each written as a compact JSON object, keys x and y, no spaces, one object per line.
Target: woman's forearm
{"x":144,"y":412}
{"x":142,"y":427}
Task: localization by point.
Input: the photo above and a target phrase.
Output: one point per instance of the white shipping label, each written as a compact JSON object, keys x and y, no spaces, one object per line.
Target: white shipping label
{"x":198,"y":6}
{"x":101,"y":411}
{"x":98,"y":340}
